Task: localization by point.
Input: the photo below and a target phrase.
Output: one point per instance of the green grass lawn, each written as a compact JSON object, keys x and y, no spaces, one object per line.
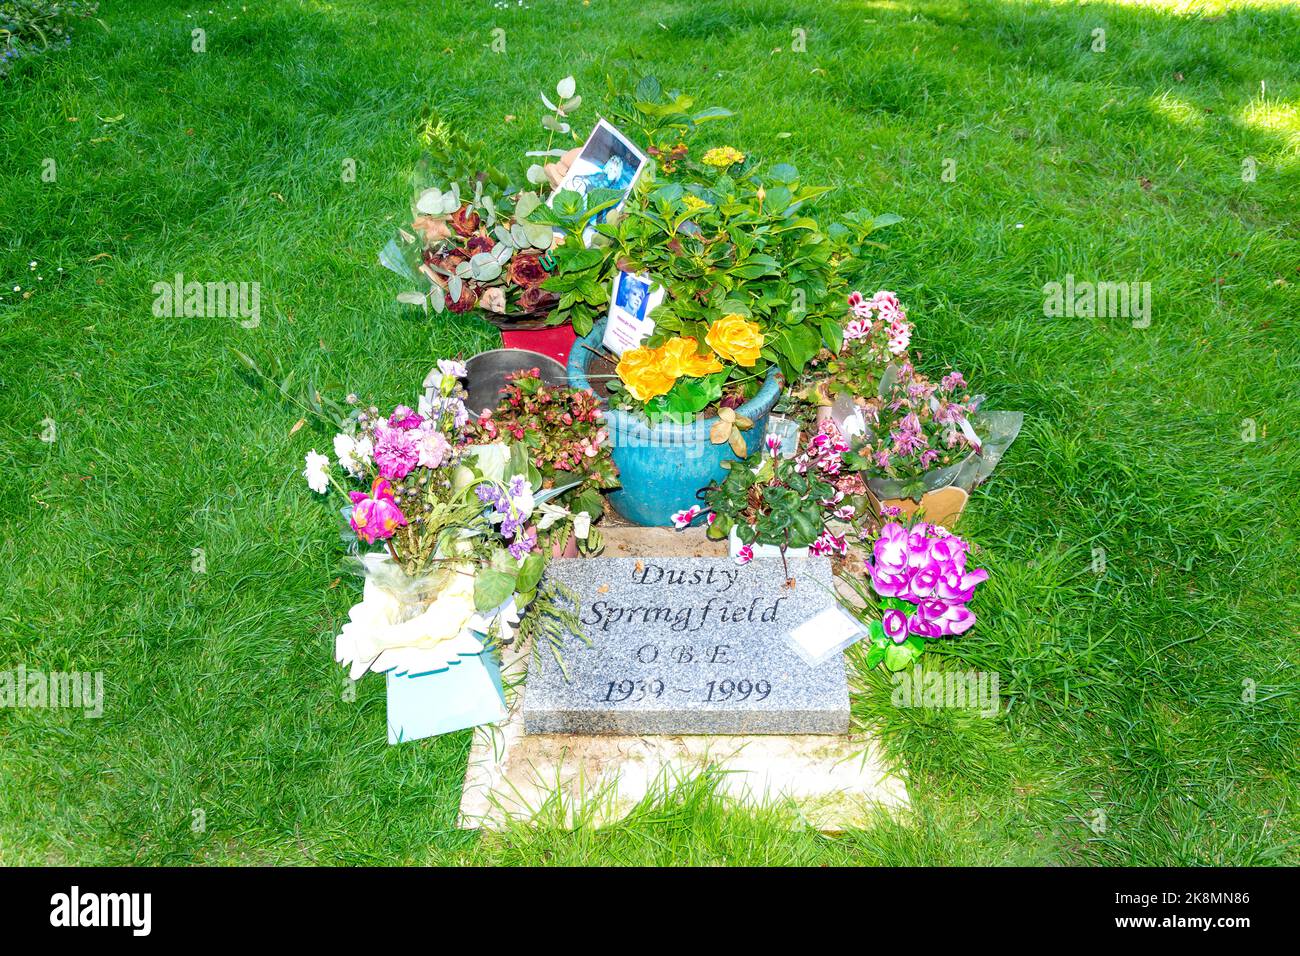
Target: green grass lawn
{"x":1129,"y":691}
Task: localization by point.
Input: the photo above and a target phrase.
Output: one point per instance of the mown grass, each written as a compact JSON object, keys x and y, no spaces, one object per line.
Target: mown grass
{"x":1125,"y":688}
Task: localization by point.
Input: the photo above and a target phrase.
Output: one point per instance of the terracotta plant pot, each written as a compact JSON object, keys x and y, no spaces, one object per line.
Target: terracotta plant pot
{"x":565,"y":549}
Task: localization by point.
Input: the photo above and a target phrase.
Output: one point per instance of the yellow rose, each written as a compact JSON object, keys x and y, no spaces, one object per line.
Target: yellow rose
{"x":681,"y":357}
{"x":736,"y":339}
{"x":642,"y":371}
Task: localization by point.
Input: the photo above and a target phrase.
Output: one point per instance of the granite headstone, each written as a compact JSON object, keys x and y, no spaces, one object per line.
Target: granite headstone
{"x":689,"y":646}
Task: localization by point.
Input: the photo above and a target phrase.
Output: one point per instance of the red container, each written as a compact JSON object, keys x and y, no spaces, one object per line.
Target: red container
{"x":555,"y":341}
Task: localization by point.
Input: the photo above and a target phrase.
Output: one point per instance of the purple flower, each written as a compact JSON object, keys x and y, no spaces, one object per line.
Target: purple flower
{"x":523,"y":544}
{"x":395,"y":452}
{"x":923,"y":582}
{"x":405,"y":418}
{"x":959,"y":588}
{"x":375,"y":516}
{"x":908,"y":438}
{"x":925,"y":566}
{"x":895,"y":622}
{"x":744,"y":554}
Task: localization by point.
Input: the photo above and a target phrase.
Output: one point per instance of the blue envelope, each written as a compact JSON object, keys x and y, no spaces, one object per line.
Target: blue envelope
{"x":466,"y":694}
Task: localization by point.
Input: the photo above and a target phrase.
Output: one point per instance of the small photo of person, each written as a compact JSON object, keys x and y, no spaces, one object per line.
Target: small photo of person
{"x":607,"y":161}
{"x":632,"y":295}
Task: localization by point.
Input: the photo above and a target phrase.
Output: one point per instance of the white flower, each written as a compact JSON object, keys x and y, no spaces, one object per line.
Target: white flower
{"x":352,"y":454}
{"x":900,"y":336}
{"x":453,"y":368}
{"x":432,"y":446}
{"x":521,"y":495}
{"x":317,"y":472}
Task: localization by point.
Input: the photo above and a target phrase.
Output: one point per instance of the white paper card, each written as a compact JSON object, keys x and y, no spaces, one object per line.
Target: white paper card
{"x":825,"y":634}
{"x":631,"y":300}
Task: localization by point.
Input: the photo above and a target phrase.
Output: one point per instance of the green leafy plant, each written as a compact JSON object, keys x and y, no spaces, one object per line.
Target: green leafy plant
{"x":774,"y":504}
{"x":729,"y":238}
{"x":566,"y":441}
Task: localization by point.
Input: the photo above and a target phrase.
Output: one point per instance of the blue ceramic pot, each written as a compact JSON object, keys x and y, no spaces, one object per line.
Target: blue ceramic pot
{"x":662,"y":468}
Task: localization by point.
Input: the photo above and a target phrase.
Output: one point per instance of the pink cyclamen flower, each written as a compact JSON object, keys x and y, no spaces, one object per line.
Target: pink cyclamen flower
{"x":744,"y":554}
{"x":895,"y":623}
{"x":376,"y":516}
{"x":682,"y":519}
{"x":926,"y":566}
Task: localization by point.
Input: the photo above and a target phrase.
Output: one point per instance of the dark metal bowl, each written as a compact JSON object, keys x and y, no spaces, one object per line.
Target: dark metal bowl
{"x":488,"y":371}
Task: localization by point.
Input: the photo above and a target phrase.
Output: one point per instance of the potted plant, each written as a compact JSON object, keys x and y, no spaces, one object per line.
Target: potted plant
{"x":876,"y":332}
{"x":470,"y":247}
{"x":918,"y":439}
{"x":564,"y":435}
{"x":753,"y":291}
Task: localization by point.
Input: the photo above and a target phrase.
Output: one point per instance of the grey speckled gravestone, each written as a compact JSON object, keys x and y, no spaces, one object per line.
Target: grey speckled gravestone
{"x":689,"y":646}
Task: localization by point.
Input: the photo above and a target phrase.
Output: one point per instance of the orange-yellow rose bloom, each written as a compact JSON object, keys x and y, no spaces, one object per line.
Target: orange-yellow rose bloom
{"x":642,"y":371}
{"x":736,"y":339}
{"x":681,"y":357}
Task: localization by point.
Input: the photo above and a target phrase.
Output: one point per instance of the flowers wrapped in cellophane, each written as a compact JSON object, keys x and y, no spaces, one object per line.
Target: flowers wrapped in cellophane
{"x":456,"y":561}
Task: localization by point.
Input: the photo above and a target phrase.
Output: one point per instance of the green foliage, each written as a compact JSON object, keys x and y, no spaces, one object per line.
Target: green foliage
{"x":550,"y":619}
{"x":733,"y":240}
{"x":773,"y":504}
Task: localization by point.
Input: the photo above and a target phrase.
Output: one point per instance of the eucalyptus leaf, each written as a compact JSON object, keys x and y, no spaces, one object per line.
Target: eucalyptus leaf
{"x":430,"y":202}
{"x":566,"y":87}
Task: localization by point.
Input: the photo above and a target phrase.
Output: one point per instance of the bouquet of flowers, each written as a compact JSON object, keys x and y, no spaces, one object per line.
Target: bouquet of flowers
{"x":461,"y":562}
{"x":564,"y":435}
{"x":922,"y":584}
{"x":918,"y":432}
